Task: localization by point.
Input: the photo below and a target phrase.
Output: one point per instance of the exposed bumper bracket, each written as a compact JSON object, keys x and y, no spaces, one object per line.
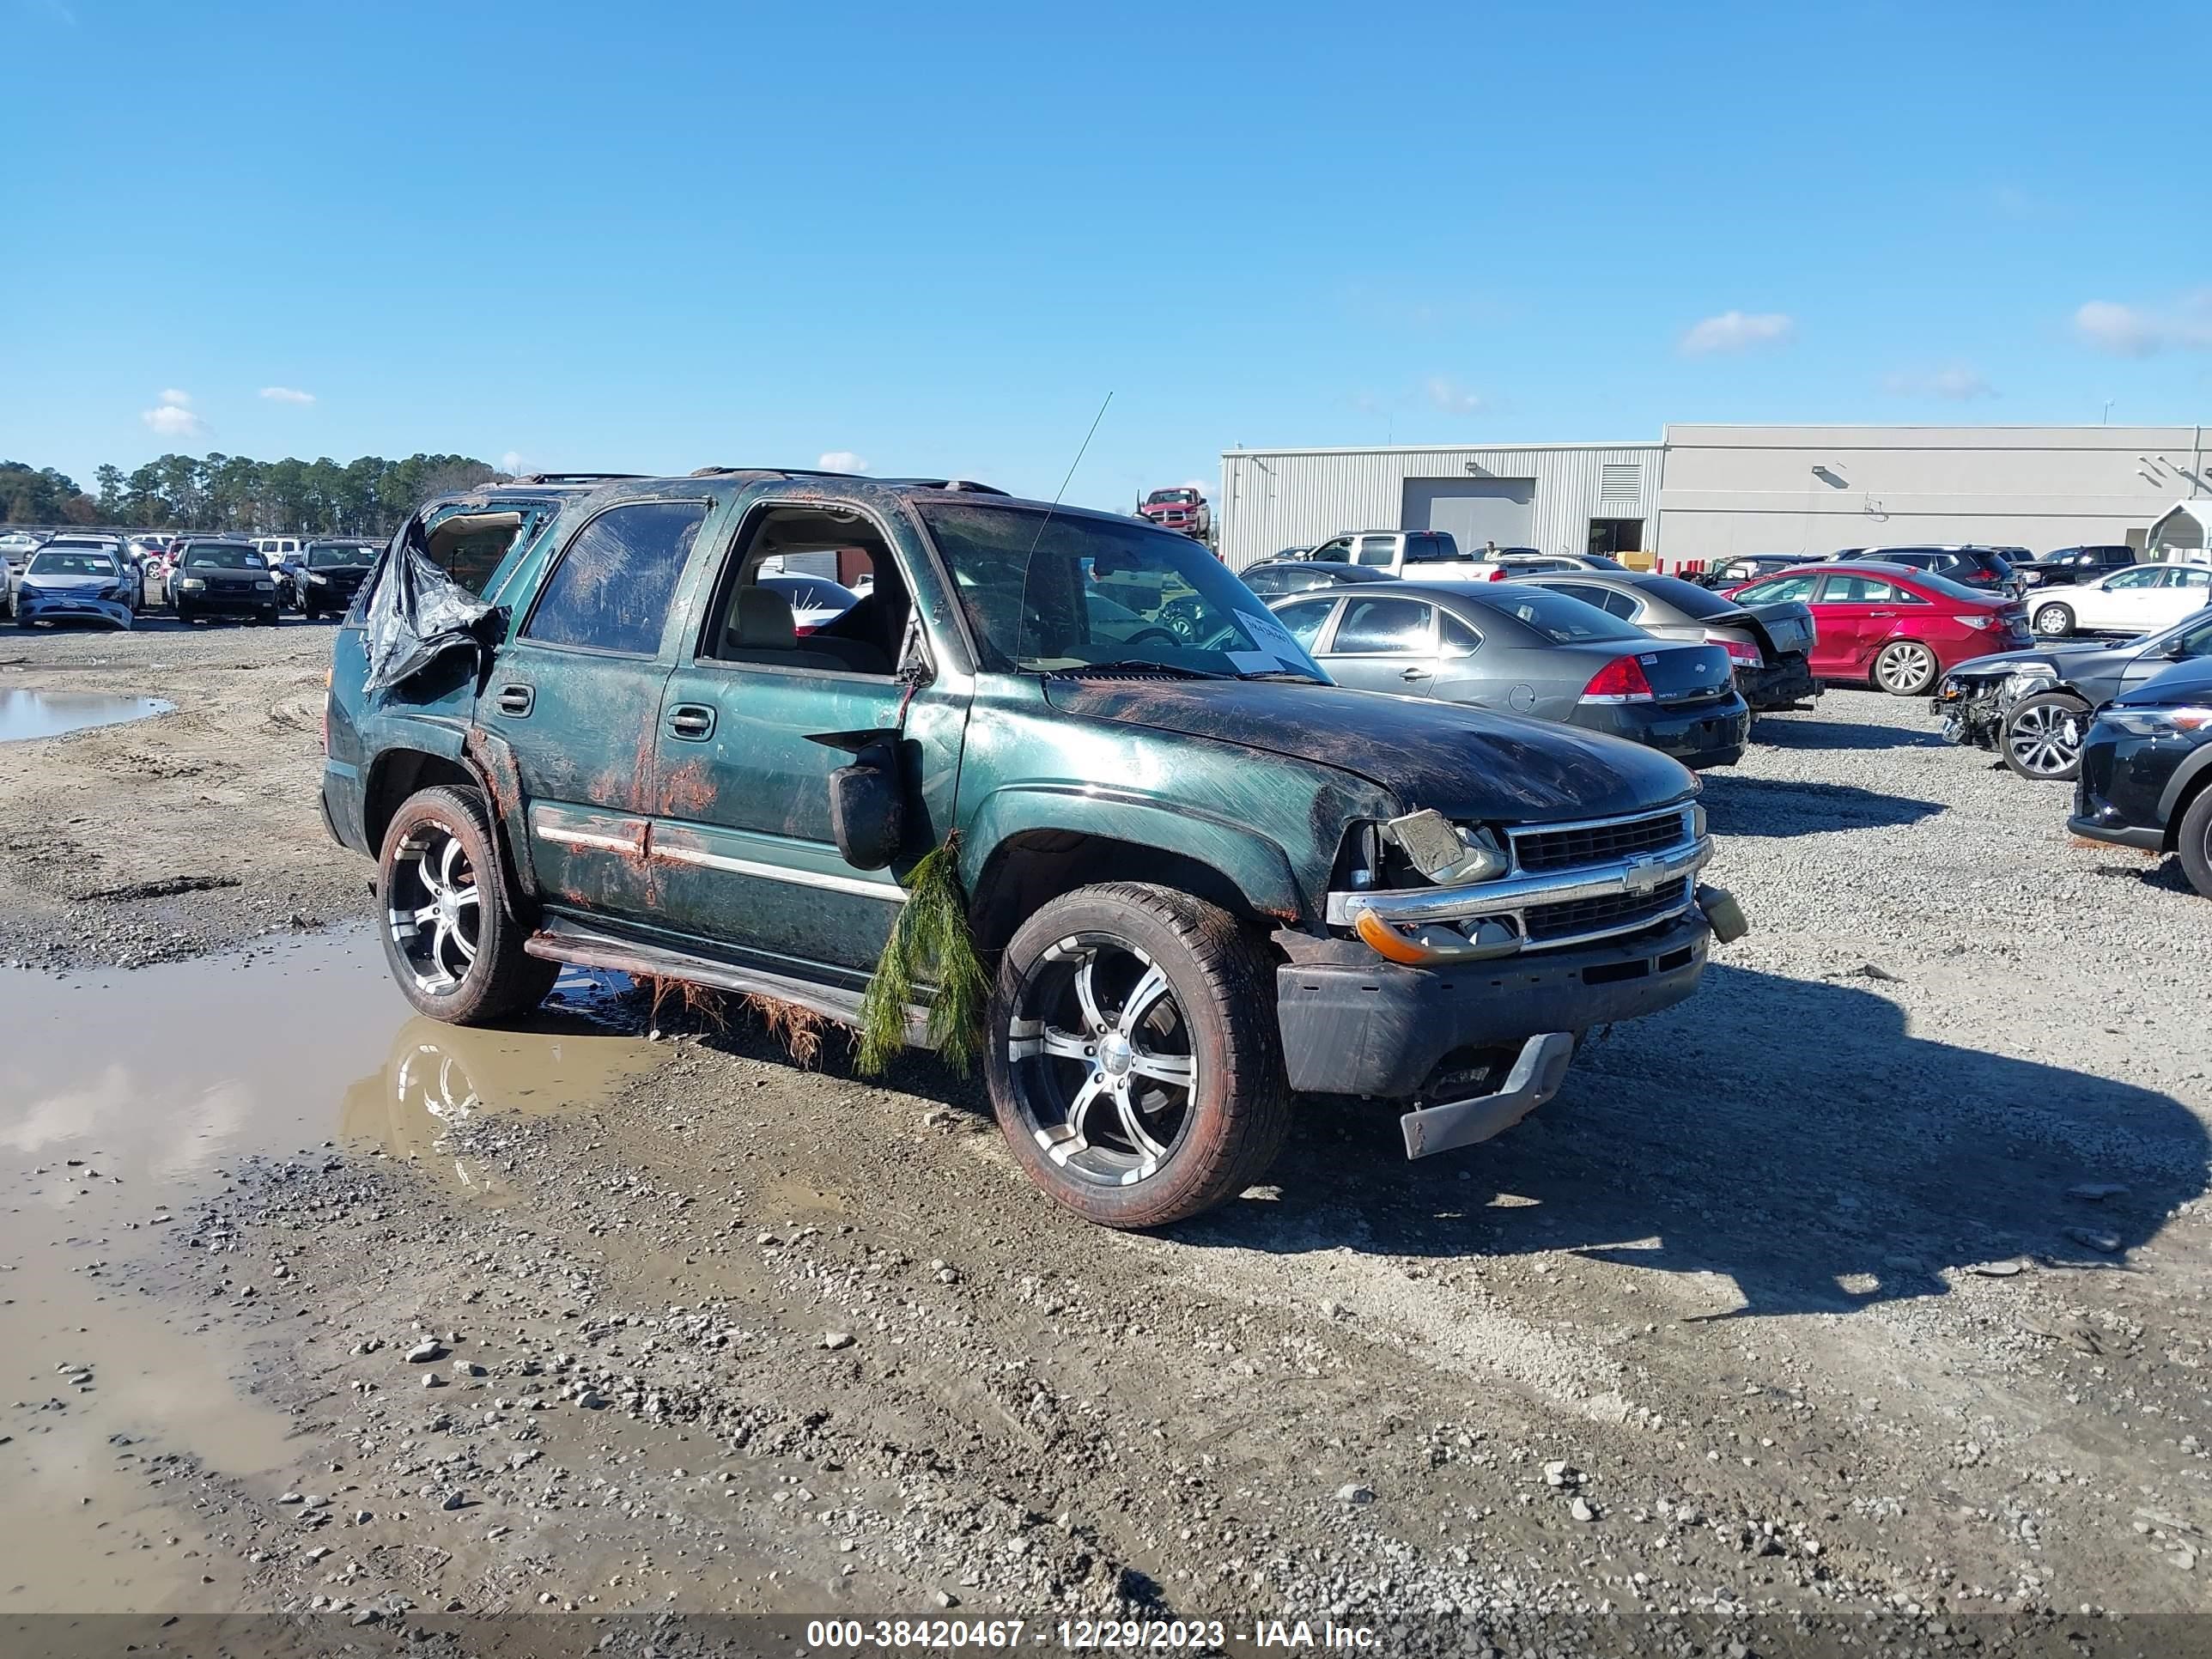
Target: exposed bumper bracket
{"x":1536,"y":1078}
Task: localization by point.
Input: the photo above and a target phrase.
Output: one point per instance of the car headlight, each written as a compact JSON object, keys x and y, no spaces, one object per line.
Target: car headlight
{"x":318,"y":580}
{"x":1446,"y":852}
{"x":192,"y":584}
{"x":2159,"y":722}
{"x":266,"y":584}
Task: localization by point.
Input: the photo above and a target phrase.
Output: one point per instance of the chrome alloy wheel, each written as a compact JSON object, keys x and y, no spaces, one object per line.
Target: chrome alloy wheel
{"x":1101,"y":1056}
{"x":432,"y":907}
{"x":2046,"y":739}
{"x":1905,"y":667}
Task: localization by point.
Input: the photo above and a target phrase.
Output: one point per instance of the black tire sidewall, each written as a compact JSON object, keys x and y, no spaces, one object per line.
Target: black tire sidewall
{"x":2192,"y":839}
{"x":1240,"y":1109}
{"x":503,"y":978}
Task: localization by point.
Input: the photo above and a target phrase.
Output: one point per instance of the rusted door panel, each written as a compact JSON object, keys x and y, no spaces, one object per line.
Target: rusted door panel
{"x":743,"y":851}
{"x":581,"y":724}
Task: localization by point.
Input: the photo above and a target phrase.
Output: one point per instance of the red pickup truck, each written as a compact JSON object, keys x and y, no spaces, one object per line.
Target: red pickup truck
{"x":1181,"y":508}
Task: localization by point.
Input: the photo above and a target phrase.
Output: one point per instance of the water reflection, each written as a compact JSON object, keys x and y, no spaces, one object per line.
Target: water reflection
{"x":50,"y":713}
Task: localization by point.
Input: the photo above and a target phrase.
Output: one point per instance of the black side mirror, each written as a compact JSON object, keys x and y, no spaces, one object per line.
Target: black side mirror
{"x":867,"y":807}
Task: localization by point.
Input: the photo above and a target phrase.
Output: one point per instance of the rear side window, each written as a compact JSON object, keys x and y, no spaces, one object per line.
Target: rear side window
{"x":1863,"y":590}
{"x":1383,"y":627}
{"x":1304,"y":619}
{"x":1377,"y":549}
{"x":611,"y":589}
{"x":1430,"y":547}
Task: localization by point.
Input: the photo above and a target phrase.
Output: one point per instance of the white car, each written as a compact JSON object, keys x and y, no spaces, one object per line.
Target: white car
{"x":2139,"y":600}
{"x":274,"y":549}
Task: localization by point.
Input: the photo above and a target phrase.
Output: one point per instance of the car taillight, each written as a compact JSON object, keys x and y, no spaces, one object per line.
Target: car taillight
{"x":1496,"y":574}
{"x":1983,"y":619}
{"x":1620,"y":680}
{"x":1742,"y":654}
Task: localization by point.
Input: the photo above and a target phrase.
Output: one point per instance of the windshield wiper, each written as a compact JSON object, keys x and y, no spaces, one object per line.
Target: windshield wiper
{"x":1137,"y":666}
{"x":1290,"y":676}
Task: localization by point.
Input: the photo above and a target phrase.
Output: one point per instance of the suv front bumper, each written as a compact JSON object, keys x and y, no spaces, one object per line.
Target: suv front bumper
{"x":1354,"y":1025}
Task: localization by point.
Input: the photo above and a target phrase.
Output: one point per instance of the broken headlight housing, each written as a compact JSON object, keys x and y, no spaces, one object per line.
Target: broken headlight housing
{"x":1449,"y":854}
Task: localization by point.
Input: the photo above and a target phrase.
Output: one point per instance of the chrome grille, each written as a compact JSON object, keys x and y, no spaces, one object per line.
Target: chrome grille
{"x":1539,"y":849}
{"x":1547,"y":923}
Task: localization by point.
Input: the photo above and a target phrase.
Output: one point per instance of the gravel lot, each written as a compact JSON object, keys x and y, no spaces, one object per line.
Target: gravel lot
{"x":1869,"y":1281}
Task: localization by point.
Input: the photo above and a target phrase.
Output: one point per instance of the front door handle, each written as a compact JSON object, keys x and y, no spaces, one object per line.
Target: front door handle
{"x":693,"y":722}
{"x":516,"y":700}
{"x":1882,"y":613}
{"x":1414,"y":674}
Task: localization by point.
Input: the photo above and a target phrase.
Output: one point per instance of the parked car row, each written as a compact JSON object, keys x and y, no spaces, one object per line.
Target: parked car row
{"x":2129,"y":723}
{"x":108,"y":580}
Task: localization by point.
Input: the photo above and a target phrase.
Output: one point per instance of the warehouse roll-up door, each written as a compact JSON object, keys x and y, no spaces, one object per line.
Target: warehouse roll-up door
{"x":1474,"y":510}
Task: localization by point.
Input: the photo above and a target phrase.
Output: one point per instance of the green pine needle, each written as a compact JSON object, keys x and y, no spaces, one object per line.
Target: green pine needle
{"x":930,"y":942}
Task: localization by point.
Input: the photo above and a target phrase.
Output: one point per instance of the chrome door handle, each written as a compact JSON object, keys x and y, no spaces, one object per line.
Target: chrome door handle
{"x":516,"y":700}
{"x":1414,"y":674}
{"x":693,"y":722}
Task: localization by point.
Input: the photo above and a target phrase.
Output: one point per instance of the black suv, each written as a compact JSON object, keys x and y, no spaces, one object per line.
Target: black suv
{"x":2147,"y":771}
{"x":1984,"y":568}
{"x":2070,"y":567}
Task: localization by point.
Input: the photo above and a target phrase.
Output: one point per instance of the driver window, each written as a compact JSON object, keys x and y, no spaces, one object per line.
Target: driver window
{"x":812,"y":587}
{"x":2141,"y":576}
{"x":1304,"y":619}
{"x":1383,"y":627}
{"x":1336,"y":552}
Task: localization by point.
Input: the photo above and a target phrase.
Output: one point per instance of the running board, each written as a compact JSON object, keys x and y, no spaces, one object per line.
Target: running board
{"x":562,"y":940}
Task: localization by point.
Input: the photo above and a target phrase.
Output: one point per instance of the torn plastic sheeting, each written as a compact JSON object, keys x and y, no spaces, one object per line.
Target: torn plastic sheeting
{"x":416,"y":613}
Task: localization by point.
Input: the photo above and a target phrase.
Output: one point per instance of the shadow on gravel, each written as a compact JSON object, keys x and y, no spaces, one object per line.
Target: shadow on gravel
{"x":1790,"y":1134}
{"x":1790,"y":733}
{"x":1776,"y":807}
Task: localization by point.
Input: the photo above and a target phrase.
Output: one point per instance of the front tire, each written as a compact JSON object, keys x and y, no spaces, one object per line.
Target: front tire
{"x":2054,"y":622}
{"x":1133,"y":1059}
{"x":2043,"y":737}
{"x":454,"y":949}
{"x":2192,"y":839}
{"x":1905,"y":668}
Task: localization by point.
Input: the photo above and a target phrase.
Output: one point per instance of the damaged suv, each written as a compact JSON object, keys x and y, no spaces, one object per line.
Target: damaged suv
{"x":1201,"y":877}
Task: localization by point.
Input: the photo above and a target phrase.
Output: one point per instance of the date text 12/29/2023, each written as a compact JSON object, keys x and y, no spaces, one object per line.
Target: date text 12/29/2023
{"x":1213,"y":1635}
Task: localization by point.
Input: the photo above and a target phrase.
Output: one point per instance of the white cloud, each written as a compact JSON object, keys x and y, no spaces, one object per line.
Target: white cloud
{"x":1957,"y":383}
{"x":173,"y":396}
{"x":172,"y":419}
{"x":841,"y":460}
{"x":285,"y":394}
{"x":2142,"y":331}
{"x":1450,"y":396}
{"x":1738,"y":330}
{"x":511,"y":463}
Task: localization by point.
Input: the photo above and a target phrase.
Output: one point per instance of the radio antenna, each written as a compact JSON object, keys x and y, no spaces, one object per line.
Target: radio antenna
{"x":1072,"y":466}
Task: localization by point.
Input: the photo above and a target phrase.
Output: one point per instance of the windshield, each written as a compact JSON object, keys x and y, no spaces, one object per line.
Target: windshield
{"x":1698,"y":603}
{"x":85,"y":563}
{"x":323,"y":558}
{"x":1560,"y":619}
{"x":225,"y":558}
{"x":1165,"y":497}
{"x":2191,"y":636}
{"x":1047,"y":593}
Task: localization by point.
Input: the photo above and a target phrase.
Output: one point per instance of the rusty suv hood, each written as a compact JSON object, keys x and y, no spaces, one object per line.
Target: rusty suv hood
{"x":1466,"y":762}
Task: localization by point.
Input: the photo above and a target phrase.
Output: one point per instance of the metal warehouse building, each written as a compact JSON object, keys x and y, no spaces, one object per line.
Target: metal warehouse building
{"x":1547,"y":496}
{"x":1705,"y":492}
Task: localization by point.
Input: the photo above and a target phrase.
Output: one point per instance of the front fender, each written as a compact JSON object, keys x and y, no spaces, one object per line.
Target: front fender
{"x":1259,"y":867}
{"x":2187,"y":779}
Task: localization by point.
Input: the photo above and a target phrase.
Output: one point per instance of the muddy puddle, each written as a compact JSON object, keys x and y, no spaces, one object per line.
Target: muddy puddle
{"x":122,"y":1095}
{"x":25,"y":714}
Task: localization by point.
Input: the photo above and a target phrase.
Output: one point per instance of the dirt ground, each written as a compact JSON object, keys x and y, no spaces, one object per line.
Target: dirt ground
{"x":1869,"y":1282}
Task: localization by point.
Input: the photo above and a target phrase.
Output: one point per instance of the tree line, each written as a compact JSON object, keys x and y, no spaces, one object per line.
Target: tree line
{"x":369,"y":496}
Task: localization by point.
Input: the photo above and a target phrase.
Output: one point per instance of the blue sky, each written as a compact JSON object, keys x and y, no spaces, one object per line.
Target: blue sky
{"x":652,"y":236}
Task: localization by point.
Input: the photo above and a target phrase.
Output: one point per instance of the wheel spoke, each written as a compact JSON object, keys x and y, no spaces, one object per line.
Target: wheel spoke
{"x":1180,"y":1070}
{"x":1070,"y":1141}
{"x":448,"y":857}
{"x":1150,"y":989}
{"x":465,"y":896}
{"x":1065,"y":1044}
{"x":1149,"y":1152}
{"x":1086,"y":996}
{"x":427,"y":915}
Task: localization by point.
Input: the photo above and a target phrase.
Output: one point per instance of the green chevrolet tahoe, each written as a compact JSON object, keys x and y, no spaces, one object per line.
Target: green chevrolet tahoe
{"x":1202,"y":881}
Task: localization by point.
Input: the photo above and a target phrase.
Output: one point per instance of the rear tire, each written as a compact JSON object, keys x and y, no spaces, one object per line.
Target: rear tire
{"x":1905,"y":668}
{"x":2053,"y":621}
{"x":2192,"y":839}
{"x":1133,"y":1059}
{"x":453,"y":948}
{"x":2035,"y":742}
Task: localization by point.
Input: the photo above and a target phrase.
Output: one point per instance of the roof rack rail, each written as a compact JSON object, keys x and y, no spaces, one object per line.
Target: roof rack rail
{"x":818,"y":473}
{"x":573,"y":478}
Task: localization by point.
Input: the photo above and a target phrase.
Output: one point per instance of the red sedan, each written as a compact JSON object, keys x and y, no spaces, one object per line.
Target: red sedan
{"x":1898,"y":627}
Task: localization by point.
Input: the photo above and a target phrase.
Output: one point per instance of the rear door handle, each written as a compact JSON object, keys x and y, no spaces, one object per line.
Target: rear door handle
{"x":516,"y":700}
{"x":693,"y":722}
{"x":1414,"y":674}
{"x":1882,"y":613}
